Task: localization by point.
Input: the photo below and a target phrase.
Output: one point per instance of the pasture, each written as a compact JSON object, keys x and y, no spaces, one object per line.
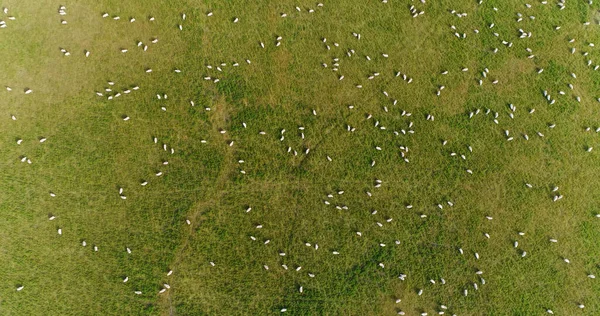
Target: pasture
{"x":268,"y":157}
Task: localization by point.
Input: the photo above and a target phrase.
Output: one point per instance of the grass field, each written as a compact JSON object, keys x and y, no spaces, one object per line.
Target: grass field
{"x":249,"y":199}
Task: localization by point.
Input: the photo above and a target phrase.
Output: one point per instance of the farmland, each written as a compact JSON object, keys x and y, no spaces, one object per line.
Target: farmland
{"x":268,"y":157}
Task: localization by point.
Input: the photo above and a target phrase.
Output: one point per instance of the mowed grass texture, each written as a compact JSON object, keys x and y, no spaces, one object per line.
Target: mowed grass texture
{"x":257,"y":197}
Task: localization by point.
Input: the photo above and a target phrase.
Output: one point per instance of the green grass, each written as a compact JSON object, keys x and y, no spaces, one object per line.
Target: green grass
{"x":91,"y":152}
